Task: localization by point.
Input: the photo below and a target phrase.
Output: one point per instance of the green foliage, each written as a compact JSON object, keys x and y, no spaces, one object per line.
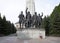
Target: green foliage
{"x":6,"y":27}
{"x":46,"y":24}
{"x":55,"y":20}
{"x":52,"y":23}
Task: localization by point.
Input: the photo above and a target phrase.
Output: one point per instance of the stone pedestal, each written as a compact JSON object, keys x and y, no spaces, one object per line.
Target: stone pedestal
{"x":31,"y":33}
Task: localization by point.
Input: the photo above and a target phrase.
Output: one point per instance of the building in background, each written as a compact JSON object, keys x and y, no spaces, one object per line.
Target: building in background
{"x":30,"y":4}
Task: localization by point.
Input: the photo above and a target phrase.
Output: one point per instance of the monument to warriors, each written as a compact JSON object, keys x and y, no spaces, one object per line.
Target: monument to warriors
{"x":30,"y":24}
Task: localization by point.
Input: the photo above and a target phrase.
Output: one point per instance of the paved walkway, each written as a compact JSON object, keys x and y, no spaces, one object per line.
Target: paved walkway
{"x":14,"y":39}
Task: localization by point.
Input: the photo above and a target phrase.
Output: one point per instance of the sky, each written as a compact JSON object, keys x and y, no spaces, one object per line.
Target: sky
{"x":12,"y":8}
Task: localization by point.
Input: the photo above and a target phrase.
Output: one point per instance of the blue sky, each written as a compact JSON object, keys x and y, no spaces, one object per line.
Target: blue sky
{"x":11,"y":8}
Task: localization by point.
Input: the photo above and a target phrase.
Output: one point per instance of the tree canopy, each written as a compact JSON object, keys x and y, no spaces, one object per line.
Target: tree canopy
{"x":55,"y":20}
{"x":52,"y":22}
{"x":6,"y":27}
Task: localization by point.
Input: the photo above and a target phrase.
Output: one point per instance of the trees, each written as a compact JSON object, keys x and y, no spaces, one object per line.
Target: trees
{"x":52,"y":23}
{"x":6,"y":27}
{"x":1,"y":27}
{"x":55,"y":20}
{"x":46,"y":24}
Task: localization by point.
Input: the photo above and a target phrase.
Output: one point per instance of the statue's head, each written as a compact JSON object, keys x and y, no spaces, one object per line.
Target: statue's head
{"x":35,"y":13}
{"x":21,"y":12}
{"x":28,"y":12}
{"x":38,"y":14}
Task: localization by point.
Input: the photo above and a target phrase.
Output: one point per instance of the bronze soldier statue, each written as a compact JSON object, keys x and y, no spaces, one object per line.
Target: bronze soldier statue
{"x":39,"y":19}
{"x":21,"y":19}
{"x":28,"y":19}
{"x":35,"y":18}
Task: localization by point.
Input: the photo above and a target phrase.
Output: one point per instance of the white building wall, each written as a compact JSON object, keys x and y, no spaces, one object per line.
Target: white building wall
{"x":30,"y":4}
{"x":17,"y":25}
